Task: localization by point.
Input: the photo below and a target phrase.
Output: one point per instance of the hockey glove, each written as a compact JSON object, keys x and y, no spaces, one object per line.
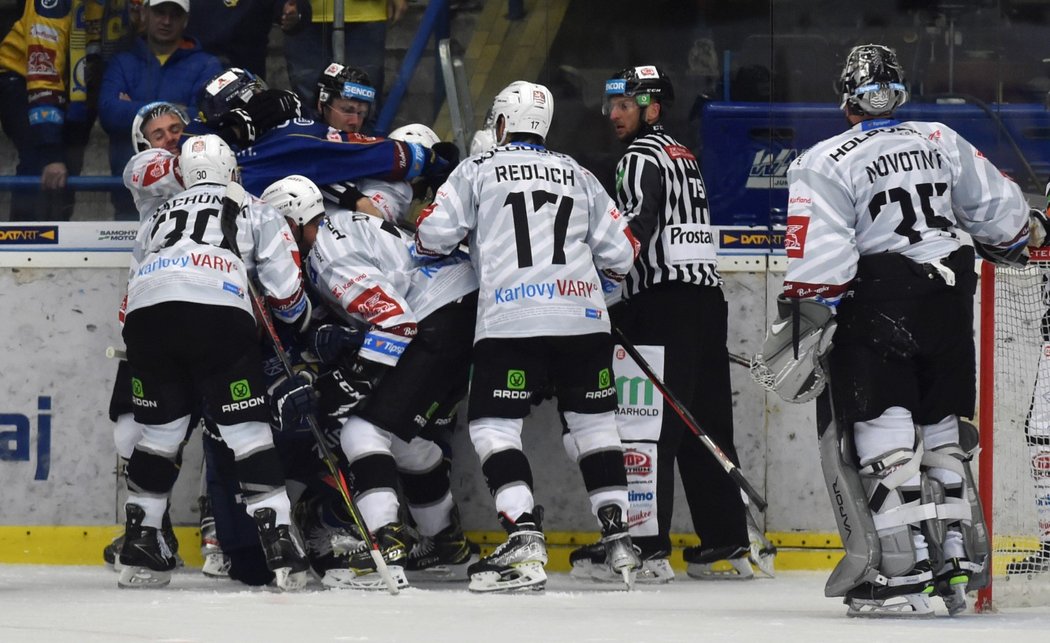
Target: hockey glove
{"x":266,"y":110}
{"x":335,"y":345}
{"x":344,"y":390}
{"x":1038,"y":229}
{"x":293,"y":400}
{"x":271,"y":107}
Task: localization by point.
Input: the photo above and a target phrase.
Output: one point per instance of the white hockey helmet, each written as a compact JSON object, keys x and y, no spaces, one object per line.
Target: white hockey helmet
{"x":415,"y":133}
{"x":207,"y":159}
{"x":296,"y":197}
{"x":147,"y":113}
{"x":526,"y":108}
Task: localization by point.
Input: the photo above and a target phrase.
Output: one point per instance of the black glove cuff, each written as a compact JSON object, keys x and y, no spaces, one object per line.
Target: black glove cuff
{"x":350,"y":196}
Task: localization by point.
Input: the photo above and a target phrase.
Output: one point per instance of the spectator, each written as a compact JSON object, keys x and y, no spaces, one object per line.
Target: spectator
{"x":237,"y":32}
{"x":45,"y":108}
{"x":308,"y":41}
{"x":162,"y":65}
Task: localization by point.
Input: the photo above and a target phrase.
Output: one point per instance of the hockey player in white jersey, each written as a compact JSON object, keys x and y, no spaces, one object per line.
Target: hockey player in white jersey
{"x":542,"y":234}
{"x":187,"y":287}
{"x":878,"y":301}
{"x":410,"y":371}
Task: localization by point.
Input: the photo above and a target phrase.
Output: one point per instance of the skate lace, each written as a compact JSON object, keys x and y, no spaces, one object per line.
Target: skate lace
{"x":424,"y":547}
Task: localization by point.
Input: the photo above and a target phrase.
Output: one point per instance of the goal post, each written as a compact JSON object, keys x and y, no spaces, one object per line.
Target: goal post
{"x":1014,"y":418}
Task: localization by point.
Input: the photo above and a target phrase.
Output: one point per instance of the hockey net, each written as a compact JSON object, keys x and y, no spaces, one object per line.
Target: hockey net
{"x":1014,"y":412}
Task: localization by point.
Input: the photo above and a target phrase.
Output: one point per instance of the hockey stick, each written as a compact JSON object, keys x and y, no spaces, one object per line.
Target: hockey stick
{"x":112,"y":352}
{"x":231,"y":208}
{"x":739,"y":360}
{"x":690,"y":421}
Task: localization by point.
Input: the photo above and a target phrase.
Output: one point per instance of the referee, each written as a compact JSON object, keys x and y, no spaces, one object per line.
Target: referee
{"x":673,"y":300}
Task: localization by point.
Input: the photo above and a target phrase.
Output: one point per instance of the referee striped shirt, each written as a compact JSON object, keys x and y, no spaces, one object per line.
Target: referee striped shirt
{"x":660,"y":190}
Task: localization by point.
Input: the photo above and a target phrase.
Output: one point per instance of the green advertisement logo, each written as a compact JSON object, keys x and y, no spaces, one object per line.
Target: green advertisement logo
{"x":516,"y":380}
{"x":136,"y":387}
{"x":604,"y":378}
{"x":240,"y":390}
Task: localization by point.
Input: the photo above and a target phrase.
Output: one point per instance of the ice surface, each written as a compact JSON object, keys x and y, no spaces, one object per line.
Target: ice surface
{"x":83,"y":604}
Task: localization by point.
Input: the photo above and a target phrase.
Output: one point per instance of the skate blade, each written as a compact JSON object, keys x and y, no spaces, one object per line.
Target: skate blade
{"x":142,"y":578}
{"x":289,"y":581}
{"x":348,"y":579}
{"x":735,"y":569}
{"x":907,"y":606}
{"x":956,"y":600}
{"x":442,"y":573}
{"x":523,"y":577}
{"x":764,"y":559}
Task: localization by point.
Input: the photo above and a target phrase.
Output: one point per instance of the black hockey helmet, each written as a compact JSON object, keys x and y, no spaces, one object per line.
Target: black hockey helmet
{"x":343,"y":81}
{"x":872,"y":81}
{"x":232,"y":89}
{"x":645,"y":83}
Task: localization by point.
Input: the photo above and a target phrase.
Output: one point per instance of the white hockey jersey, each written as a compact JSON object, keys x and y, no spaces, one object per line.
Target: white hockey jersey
{"x":889,"y":186}
{"x":180,"y":254}
{"x":152,"y":176}
{"x":364,"y":269}
{"x":539,"y":227}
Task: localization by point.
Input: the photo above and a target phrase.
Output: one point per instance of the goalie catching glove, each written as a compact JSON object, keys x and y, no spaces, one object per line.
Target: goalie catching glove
{"x":789,"y":362}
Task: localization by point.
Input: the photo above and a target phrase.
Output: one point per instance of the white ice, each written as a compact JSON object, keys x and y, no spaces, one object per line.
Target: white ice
{"x":83,"y":604}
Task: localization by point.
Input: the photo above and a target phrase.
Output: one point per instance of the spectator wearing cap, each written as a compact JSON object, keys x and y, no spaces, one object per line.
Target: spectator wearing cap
{"x":162,"y":65}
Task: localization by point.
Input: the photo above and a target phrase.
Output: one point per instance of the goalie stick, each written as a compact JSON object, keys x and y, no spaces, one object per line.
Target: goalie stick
{"x":112,"y":352}
{"x":690,"y":421}
{"x":231,"y":208}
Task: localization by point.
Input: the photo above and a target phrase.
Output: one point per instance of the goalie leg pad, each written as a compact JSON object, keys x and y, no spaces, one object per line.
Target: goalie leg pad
{"x":878,"y":507}
{"x":958,"y":531}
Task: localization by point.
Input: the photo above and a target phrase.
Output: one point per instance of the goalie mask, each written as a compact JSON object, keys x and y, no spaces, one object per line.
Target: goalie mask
{"x":789,"y":362}
{"x":207,"y":159}
{"x":872,"y":81}
{"x":148,"y":112}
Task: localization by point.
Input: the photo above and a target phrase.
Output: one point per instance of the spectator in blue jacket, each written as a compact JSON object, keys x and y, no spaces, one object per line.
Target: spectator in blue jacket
{"x":162,"y":65}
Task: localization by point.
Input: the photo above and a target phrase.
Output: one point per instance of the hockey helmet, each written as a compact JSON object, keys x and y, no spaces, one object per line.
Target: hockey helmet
{"x":232,"y":89}
{"x":341,"y":81}
{"x":147,"y":113}
{"x":296,"y":197}
{"x":646,"y":83}
{"x":872,"y":81}
{"x":526,"y":108}
{"x":415,"y":133}
{"x":485,"y":138}
{"x":207,"y":159}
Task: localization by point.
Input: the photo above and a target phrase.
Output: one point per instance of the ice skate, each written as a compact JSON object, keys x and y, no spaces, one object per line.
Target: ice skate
{"x":146,"y":558}
{"x":327,"y":547}
{"x":394,"y":540}
{"x":762,"y":553}
{"x":111,"y":553}
{"x":216,"y":563}
{"x":908,"y":596}
{"x":442,"y":557}
{"x":518,"y":563}
{"x":719,"y":563}
{"x":284,"y":556}
{"x":951,"y":584}
{"x":612,"y":559}
{"x":1038,"y":562}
